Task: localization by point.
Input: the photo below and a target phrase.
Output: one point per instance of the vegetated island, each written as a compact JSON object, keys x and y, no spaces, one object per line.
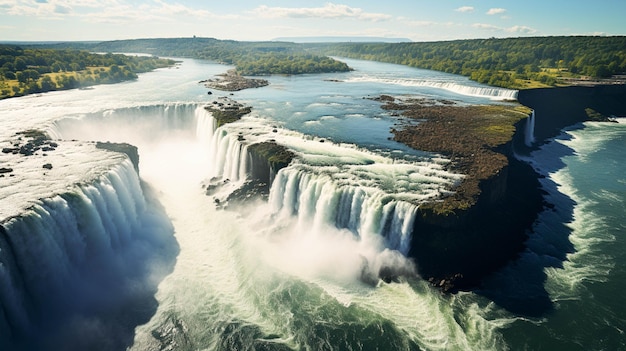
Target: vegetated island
{"x":249,"y":58}
{"x":233,"y":81}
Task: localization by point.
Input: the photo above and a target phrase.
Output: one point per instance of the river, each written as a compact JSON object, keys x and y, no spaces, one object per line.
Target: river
{"x":282,"y":275}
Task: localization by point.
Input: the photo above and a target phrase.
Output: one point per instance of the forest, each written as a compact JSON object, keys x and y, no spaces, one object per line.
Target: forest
{"x":517,"y":63}
{"x":249,"y":58}
{"x":35,"y":70}
{"x":511,"y":62}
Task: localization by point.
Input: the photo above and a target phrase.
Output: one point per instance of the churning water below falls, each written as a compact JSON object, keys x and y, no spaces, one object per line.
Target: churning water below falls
{"x":113,"y":262}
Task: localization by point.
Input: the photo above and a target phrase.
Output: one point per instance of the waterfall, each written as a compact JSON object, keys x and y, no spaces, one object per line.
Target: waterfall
{"x":529,"y":133}
{"x":330,"y":185}
{"x":155,"y":121}
{"x":229,"y":155}
{"x":317,"y":201}
{"x":78,"y":253}
{"x":468,"y":90}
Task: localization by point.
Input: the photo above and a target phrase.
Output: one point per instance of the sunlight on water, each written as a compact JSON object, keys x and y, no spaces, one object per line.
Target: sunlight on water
{"x":300,"y":271}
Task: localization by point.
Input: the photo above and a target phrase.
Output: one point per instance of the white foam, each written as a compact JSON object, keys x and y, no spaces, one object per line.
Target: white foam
{"x":468,"y":90}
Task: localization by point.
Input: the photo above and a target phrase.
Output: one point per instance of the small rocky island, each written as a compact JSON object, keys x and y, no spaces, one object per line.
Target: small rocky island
{"x":226,"y":110}
{"x":233,"y":81}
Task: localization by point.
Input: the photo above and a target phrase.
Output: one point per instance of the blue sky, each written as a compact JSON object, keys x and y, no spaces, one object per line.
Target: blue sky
{"x":60,"y":20}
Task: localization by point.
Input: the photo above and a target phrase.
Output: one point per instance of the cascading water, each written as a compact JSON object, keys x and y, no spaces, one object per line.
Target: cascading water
{"x":529,"y":132}
{"x":96,"y":247}
{"x":274,"y":275}
{"x":318,"y":202}
{"x":468,"y":90}
{"x":350,"y":194}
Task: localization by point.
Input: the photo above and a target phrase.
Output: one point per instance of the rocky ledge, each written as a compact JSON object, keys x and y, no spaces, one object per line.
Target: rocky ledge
{"x":459,"y":239}
{"x":226,"y":110}
{"x":475,"y":138}
{"x":233,"y":81}
{"x":125,"y":148}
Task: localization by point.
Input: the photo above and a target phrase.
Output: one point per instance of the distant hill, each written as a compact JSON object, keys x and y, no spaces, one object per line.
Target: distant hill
{"x":331,"y":39}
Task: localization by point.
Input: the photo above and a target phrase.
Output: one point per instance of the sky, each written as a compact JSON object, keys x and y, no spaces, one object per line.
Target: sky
{"x":417,"y":20}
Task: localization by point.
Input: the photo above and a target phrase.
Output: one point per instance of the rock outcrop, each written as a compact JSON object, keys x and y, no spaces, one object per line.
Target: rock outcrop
{"x":459,"y":239}
{"x":457,"y":249}
{"x":233,"y":81}
{"x":266,"y":159}
{"x":125,"y":148}
{"x":226,"y":110}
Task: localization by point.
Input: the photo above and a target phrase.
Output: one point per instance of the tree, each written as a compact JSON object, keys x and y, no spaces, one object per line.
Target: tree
{"x":47,"y":84}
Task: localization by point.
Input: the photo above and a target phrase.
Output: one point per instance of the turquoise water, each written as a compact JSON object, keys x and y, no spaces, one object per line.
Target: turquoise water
{"x":245,"y":282}
{"x":576,"y":255}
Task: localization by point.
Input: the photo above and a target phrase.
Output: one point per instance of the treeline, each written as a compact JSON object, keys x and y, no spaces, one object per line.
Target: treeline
{"x":510,"y":62}
{"x":249,"y":58}
{"x":35,"y":70}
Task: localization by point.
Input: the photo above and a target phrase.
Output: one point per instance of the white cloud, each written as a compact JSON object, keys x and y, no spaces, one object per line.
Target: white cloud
{"x":328,"y":11}
{"x":496,"y":11}
{"x":486,"y":26}
{"x":465,"y":9}
{"x":513,"y":29}
{"x":62,"y":9}
{"x":521,"y":30}
{"x":105,"y":11}
{"x":178,"y":9}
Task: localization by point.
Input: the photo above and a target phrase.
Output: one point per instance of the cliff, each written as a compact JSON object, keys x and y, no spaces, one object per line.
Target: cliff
{"x":482,"y":225}
{"x":456,"y":249}
{"x":556,"y":108}
{"x":125,"y":148}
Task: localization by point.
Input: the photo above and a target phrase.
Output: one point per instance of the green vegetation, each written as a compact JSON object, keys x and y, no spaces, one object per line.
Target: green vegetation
{"x":595,"y":115}
{"x":36,"y":70}
{"x":516,"y":63}
{"x":511,"y":63}
{"x":250,"y":58}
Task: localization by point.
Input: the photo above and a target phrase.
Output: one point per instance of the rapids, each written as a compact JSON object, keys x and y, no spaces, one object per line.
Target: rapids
{"x":286,"y":273}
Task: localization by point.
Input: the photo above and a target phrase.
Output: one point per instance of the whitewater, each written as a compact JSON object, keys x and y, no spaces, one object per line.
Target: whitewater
{"x":283,"y":274}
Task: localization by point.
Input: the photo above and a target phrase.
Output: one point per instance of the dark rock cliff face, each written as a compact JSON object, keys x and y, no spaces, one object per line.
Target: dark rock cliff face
{"x":455,"y":251}
{"x":265,"y":160}
{"x":128,"y":149}
{"x":556,"y":108}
